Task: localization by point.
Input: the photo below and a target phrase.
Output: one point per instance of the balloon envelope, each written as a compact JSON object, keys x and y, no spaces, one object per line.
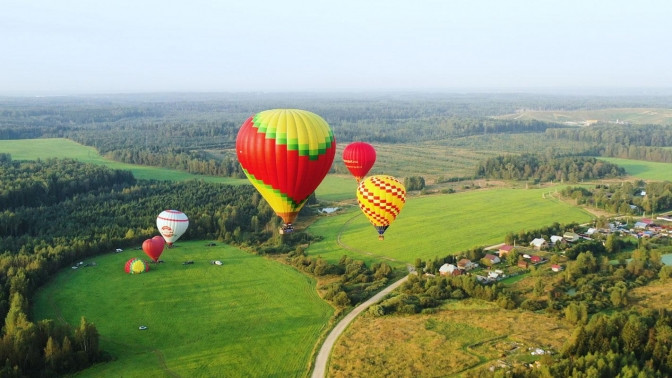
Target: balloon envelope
{"x":285,"y":153}
{"x":359,"y":157}
{"x":172,"y":224}
{"x":153,"y":247}
{"x":381,"y":198}
{"x":136,"y":266}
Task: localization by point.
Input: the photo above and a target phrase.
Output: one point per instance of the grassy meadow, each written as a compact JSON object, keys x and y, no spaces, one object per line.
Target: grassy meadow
{"x":464,"y":337}
{"x":645,"y":170}
{"x":32,"y":149}
{"x":249,"y":317}
{"x":638,"y":116}
{"x":440,"y":225}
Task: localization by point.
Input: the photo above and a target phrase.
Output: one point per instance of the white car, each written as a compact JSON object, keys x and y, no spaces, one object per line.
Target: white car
{"x":142,"y":328}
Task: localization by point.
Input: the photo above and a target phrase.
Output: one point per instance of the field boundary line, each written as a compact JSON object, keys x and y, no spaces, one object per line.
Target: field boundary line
{"x":162,"y":363}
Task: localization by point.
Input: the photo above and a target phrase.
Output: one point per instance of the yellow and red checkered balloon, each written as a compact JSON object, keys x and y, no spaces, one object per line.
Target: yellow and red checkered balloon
{"x":381,"y":198}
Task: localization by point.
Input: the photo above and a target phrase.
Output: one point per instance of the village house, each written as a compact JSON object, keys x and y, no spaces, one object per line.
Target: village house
{"x":504,"y":250}
{"x":555,"y":240}
{"x":449,"y":270}
{"x":556,"y":268}
{"x":536,"y":259}
{"x":522,"y":264}
{"x":466,"y":264}
{"x":571,"y":237}
{"x":493,"y":259}
{"x":539,"y":243}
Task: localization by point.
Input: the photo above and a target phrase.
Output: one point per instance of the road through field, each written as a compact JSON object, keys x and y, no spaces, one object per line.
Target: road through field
{"x":320,"y":370}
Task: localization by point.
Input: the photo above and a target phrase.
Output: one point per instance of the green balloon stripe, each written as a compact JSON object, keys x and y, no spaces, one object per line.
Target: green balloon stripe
{"x":282,"y":195}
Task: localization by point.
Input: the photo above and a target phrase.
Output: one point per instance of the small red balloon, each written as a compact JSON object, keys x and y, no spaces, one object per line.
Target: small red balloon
{"x":359,"y":157}
{"x":154,"y":247}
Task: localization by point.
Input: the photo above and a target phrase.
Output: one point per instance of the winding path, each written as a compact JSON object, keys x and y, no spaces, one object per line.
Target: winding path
{"x":320,"y":370}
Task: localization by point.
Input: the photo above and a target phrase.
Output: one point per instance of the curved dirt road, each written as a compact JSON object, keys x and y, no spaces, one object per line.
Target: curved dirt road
{"x":320,"y":370}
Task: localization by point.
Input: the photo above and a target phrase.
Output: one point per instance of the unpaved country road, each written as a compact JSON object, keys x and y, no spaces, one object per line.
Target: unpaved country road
{"x":320,"y":370}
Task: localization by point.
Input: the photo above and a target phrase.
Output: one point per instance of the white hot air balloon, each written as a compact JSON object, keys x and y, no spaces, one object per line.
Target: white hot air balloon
{"x":172,"y":224}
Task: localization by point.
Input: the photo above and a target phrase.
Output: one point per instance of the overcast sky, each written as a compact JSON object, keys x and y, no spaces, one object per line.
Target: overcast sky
{"x":119,"y":46}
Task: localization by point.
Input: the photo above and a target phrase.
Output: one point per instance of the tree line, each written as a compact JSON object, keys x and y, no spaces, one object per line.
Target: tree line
{"x":625,"y":198}
{"x":542,"y":168}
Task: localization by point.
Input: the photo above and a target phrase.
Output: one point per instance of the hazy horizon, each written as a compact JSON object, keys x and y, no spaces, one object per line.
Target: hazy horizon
{"x":122,"y":47}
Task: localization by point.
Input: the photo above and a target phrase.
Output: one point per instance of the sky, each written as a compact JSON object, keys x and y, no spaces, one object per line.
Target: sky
{"x":50,"y":47}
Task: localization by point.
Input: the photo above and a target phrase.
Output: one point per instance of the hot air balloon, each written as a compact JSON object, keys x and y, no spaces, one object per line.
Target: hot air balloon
{"x":153,"y":247}
{"x":136,"y":266}
{"x":381,"y":198}
{"x":285,"y":153}
{"x":359,"y":158}
{"x":172,"y":224}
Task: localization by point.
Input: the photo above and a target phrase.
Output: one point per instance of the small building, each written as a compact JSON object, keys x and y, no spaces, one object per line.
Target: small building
{"x":591,"y":231}
{"x":556,"y":268}
{"x":466,"y":264}
{"x":571,"y":236}
{"x":640,"y":225}
{"x":504,"y":250}
{"x":536,"y":259}
{"x":539,"y":243}
{"x":522,"y":264}
{"x":555,"y":239}
{"x":449,"y":270}
{"x":493,"y":259}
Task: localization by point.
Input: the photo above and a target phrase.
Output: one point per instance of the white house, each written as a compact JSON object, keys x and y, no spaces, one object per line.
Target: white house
{"x":555,"y":239}
{"x":538,"y":243}
{"x":447,"y":269}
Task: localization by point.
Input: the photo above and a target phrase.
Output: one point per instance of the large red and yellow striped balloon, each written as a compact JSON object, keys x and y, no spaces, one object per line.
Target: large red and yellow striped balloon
{"x":381,"y":198}
{"x":286,"y":153}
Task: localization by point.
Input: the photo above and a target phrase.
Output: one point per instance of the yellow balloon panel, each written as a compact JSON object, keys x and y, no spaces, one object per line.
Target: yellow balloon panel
{"x":381,"y":198}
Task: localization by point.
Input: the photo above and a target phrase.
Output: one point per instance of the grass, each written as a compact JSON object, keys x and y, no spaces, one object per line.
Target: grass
{"x":645,"y":170}
{"x":440,"y":225}
{"x":449,"y":342}
{"x":32,"y":149}
{"x":638,"y":116}
{"x":251,"y":316}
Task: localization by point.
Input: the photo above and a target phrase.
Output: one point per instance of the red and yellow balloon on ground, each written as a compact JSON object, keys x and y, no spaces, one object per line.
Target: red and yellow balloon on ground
{"x":381,"y":198}
{"x":136,"y":266}
{"x":285,"y":153}
{"x":359,"y":157}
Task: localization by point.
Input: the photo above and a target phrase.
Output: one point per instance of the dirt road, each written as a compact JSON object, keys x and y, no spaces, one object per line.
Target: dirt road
{"x":320,"y":370}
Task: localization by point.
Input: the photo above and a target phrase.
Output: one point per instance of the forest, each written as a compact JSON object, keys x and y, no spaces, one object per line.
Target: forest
{"x":197,"y":133}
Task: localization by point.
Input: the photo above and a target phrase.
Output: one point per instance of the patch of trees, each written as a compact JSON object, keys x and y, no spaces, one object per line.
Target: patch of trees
{"x":356,"y":281}
{"x":423,"y":293}
{"x":542,"y":168}
{"x":414,"y":183}
{"x":625,"y":198}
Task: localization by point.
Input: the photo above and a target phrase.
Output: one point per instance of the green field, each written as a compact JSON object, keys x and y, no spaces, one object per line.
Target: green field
{"x":32,"y":149}
{"x":249,"y":317}
{"x":645,"y":170}
{"x":439,"y":225}
{"x":639,"y":116}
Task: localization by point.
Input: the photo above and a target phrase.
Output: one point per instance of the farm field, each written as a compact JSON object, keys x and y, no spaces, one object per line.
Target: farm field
{"x":249,"y":317}
{"x":440,"y":225}
{"x":645,"y":170}
{"x":465,"y":336}
{"x":641,"y":116}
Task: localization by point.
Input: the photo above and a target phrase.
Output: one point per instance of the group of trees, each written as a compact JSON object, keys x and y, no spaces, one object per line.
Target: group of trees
{"x":542,"y":168}
{"x":625,"y":198}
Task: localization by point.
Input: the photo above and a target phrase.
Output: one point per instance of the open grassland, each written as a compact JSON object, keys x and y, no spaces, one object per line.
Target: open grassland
{"x":32,"y":149}
{"x":440,"y":225}
{"x":639,"y":116}
{"x":465,"y":336}
{"x":249,"y":317}
{"x":655,"y":296}
{"x":645,"y":170}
